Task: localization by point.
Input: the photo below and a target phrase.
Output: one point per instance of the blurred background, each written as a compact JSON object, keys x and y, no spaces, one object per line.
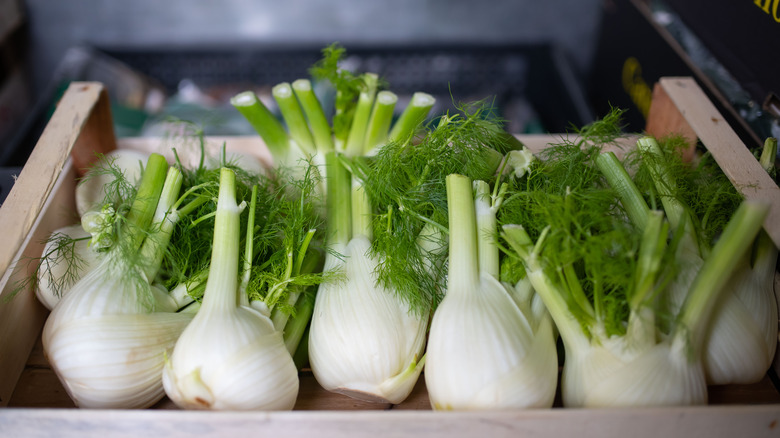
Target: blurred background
{"x":546,"y":66}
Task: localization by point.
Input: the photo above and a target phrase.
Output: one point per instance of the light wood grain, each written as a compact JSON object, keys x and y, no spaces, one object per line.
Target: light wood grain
{"x":28,"y":216}
{"x":729,"y":151}
{"x":711,"y":422}
{"x":666,"y":119}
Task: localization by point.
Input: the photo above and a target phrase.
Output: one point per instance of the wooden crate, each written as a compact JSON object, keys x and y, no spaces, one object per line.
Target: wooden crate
{"x":34,"y":403}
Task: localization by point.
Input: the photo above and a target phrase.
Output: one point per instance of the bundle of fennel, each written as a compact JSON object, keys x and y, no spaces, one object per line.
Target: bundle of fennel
{"x":349,"y":348}
{"x":107,"y":337}
{"x":149,"y":270}
{"x":446,"y":246}
{"x":608,"y":281}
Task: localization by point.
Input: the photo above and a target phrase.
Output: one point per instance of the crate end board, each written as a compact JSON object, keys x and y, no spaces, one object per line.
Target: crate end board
{"x":753,"y":421}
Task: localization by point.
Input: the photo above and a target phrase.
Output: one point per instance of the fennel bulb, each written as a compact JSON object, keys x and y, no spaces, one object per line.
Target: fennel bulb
{"x":604,"y":282}
{"x":741,"y":344}
{"x":364,"y":341}
{"x":63,"y":263}
{"x":231,"y":356}
{"x":107,"y":338}
{"x":484,"y":350}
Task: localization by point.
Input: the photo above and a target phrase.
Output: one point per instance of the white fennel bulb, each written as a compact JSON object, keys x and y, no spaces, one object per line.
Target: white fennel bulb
{"x":107,"y":338}
{"x":483,"y":353}
{"x":91,"y":190}
{"x":662,"y":375}
{"x":484,"y":350}
{"x":742,"y":343}
{"x":63,"y":263}
{"x":364,"y":341}
{"x":230,"y":357}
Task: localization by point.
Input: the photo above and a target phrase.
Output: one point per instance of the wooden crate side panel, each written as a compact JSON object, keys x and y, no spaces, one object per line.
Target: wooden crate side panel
{"x":31,"y":212}
{"x":21,"y":314}
{"x":36,"y":181}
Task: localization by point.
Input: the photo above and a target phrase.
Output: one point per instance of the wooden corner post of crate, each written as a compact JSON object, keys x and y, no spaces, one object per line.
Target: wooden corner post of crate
{"x":81,"y":123}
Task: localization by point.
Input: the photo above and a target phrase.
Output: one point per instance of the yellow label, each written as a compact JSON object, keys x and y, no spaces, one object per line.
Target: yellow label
{"x":635,"y":85}
{"x":770,"y":7}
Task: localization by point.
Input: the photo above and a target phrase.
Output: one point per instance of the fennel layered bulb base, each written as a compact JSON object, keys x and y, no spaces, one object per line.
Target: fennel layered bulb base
{"x":105,"y":341}
{"x":232,"y":361}
{"x":114,"y":362}
{"x":662,"y":375}
{"x":364,"y":341}
{"x":231,"y":357}
{"x":484,"y":353}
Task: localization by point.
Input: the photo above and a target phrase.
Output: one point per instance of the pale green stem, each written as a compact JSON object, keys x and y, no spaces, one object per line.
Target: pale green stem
{"x":641,"y":320}
{"x":359,"y":126}
{"x":249,"y":252}
{"x":296,"y":326}
{"x":412,"y":116}
{"x":649,"y":263}
{"x":145,"y":203}
{"x":769,"y":154}
{"x":380,"y":121}
{"x":463,"y":268}
{"x":630,"y":196}
{"x":294,"y":118}
{"x":361,"y":210}
{"x":222,"y":284}
{"x":554,"y":300}
{"x":487,"y":249}
{"x":664,"y":183}
{"x":737,"y":237}
{"x":264,"y":123}
{"x":320,"y":128}
{"x":153,"y":249}
{"x":339,"y":194}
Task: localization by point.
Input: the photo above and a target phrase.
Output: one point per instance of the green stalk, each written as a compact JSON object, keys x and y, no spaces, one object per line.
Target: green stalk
{"x":264,"y":122}
{"x":463,"y":247}
{"x":414,"y":114}
{"x":569,"y":327}
{"x":380,"y":121}
{"x":308,"y":265}
{"x":320,"y":128}
{"x":296,"y":326}
{"x":222,"y":284}
{"x":145,"y":203}
{"x":249,"y":253}
{"x":153,"y":248}
{"x":360,"y":120}
{"x":630,"y":196}
{"x":664,"y":183}
{"x":339,"y":194}
{"x":487,"y":248}
{"x":294,"y":118}
{"x":649,"y":262}
{"x":301,"y":355}
{"x":769,"y":154}
{"x":709,"y":284}
{"x":361,"y":210}
{"x":641,"y":320}
{"x":574,"y":292}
